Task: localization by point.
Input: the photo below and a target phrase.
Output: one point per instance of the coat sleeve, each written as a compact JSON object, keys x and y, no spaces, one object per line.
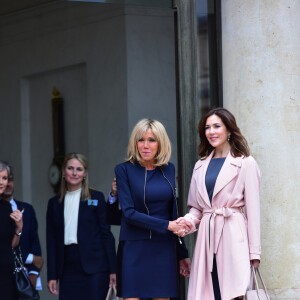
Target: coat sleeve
{"x":113,"y":213}
{"x":182,"y":251}
{"x":106,"y":234}
{"x":130,"y":214}
{"x":195,"y":213}
{"x":51,"y":240}
{"x":252,"y":203}
{"x":34,"y":246}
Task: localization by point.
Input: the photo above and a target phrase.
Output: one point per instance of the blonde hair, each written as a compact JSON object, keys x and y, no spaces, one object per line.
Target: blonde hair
{"x":85,"y":191}
{"x":4,"y":165}
{"x":160,"y":133}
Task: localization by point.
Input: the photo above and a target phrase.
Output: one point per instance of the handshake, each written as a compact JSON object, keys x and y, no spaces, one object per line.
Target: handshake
{"x":181,"y":227}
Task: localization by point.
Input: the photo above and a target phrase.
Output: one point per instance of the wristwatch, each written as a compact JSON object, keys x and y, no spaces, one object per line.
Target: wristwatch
{"x":18,"y":233}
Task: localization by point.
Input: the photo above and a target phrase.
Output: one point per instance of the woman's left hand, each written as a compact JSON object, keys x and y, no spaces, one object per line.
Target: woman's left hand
{"x":112,"y":279}
{"x":17,"y":216}
{"x":255,"y":263}
{"x":185,"y":267}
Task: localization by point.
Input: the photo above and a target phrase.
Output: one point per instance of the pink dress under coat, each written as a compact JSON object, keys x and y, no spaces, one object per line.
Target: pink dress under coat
{"x":233,"y":223}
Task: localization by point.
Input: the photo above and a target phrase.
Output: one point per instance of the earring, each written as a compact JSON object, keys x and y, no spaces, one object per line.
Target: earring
{"x":228,"y":138}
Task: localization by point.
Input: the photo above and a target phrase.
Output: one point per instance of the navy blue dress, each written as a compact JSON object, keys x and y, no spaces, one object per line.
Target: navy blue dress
{"x":212,"y":173}
{"x":147,"y":258}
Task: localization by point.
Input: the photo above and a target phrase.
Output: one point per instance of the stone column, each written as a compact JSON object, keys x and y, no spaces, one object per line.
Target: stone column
{"x":261,"y":80}
{"x":188,"y":108}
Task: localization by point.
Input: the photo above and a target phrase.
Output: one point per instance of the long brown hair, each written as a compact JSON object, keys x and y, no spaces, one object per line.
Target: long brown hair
{"x":85,"y":192}
{"x":239,"y":145}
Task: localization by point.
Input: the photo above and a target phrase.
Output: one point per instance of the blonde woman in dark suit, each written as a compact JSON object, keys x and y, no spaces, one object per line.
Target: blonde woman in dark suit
{"x":80,"y":246}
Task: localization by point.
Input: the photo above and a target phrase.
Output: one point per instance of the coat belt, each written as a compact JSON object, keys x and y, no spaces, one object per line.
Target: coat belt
{"x":224,"y":212}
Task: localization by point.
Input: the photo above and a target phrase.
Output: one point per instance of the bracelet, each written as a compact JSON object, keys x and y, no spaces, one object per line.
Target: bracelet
{"x":18,"y":233}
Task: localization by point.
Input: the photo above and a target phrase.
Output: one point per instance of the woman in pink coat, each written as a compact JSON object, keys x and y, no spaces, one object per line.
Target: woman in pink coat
{"x":225,"y":209}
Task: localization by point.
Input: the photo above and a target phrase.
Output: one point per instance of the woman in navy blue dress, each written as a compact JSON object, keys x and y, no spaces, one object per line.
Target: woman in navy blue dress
{"x":148,"y":252}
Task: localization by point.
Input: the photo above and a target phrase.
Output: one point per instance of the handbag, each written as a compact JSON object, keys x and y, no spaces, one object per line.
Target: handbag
{"x":112,"y":293}
{"x":25,"y":289}
{"x":256,"y":293}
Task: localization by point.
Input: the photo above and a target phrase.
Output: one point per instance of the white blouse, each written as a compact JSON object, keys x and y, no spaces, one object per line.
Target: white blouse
{"x":72,"y":200}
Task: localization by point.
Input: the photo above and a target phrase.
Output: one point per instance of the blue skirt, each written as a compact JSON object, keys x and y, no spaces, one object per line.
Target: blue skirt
{"x":75,"y":284}
{"x":147,"y":269}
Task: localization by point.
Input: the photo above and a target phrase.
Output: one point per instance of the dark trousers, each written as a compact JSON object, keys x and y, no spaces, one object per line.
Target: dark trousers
{"x":75,"y":284}
{"x":215,"y":281}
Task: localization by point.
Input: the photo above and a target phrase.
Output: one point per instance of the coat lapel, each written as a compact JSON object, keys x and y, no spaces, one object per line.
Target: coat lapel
{"x":228,"y":171}
{"x":81,"y":212}
{"x":202,"y":166}
{"x":61,"y":208}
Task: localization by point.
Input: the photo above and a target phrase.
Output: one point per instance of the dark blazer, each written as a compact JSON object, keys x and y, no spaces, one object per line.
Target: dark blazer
{"x":135,"y":221}
{"x":29,"y":241}
{"x":114,"y":214}
{"x":95,"y":240}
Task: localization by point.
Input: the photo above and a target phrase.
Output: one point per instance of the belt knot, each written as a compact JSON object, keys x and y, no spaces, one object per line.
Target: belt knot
{"x":225,"y":212}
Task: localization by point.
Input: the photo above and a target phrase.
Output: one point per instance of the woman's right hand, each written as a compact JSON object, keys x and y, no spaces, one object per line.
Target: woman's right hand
{"x":112,"y":279}
{"x":52,"y":287}
{"x":114,"y":188}
{"x":178,"y":228}
{"x":255,"y":263}
{"x":186,"y":228}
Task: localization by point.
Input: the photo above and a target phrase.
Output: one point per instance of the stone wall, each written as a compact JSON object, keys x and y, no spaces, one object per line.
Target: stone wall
{"x":261,"y":65}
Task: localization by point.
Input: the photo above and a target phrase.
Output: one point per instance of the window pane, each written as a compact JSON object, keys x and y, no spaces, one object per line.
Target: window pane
{"x":209,"y":64}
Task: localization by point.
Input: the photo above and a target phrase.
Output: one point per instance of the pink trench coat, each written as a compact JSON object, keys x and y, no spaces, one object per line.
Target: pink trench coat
{"x":230,"y":227}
